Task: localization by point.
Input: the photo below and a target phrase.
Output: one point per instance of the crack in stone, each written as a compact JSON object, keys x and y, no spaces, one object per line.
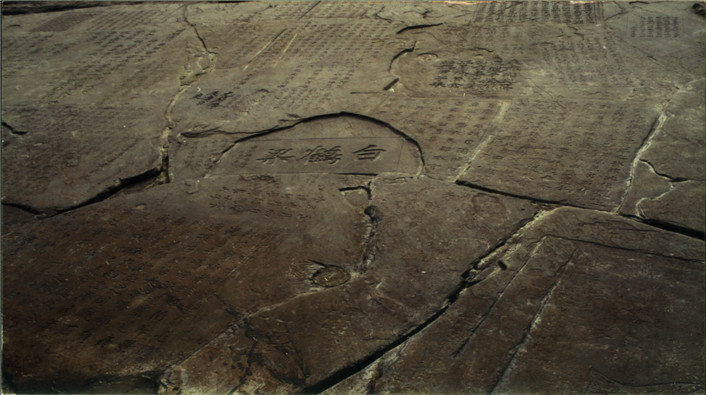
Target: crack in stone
{"x":499,"y":295}
{"x":263,"y":49}
{"x":122,"y":184}
{"x":631,"y":385}
{"x":622,"y":11}
{"x":535,"y":319}
{"x":370,"y":250}
{"x":646,"y":252}
{"x":377,"y":375}
{"x":208,"y":133}
{"x":391,"y":84}
{"x":22,"y":7}
{"x":228,"y":308}
{"x":668,"y":177}
{"x":644,"y":145}
{"x":13,"y":130}
{"x":377,"y":15}
{"x":250,"y":356}
{"x":662,"y":225}
{"x":159,"y":174}
{"x":404,"y":29}
{"x":309,"y":10}
{"x":380,"y":366}
{"x":145,"y":379}
{"x":199,"y":37}
{"x":185,"y":85}
{"x":486,"y":138}
{"x":402,"y":52}
{"x":669,"y":227}
{"x":25,"y":208}
{"x":508,"y":194}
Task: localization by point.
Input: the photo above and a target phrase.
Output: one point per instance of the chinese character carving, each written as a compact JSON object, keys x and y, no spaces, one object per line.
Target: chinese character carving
{"x":368,"y":153}
{"x":273,"y":155}
{"x":321,"y":154}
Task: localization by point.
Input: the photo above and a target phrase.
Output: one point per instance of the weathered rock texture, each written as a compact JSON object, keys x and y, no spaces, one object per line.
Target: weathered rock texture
{"x":353,"y":197}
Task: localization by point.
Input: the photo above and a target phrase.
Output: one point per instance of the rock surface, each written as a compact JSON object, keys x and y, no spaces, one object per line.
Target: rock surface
{"x":344,"y":197}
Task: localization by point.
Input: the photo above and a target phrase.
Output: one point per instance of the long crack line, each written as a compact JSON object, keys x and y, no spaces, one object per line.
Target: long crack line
{"x":499,"y":295}
{"x":646,"y":252}
{"x":535,"y":320}
{"x":187,"y":80}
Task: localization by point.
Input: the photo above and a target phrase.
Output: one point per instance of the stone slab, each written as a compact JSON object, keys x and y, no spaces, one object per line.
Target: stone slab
{"x":143,"y":286}
{"x":671,"y":167}
{"x":360,"y":197}
{"x":563,"y":309}
{"x":85,"y":94}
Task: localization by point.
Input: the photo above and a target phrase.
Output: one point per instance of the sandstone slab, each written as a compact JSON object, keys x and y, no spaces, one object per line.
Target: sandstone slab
{"x":670,"y":171}
{"x":86,"y":98}
{"x":278,"y":197}
{"x":575,"y":300}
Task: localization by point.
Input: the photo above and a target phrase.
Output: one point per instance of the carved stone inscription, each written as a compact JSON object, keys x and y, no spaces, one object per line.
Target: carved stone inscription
{"x":342,"y":144}
{"x":367,"y":155}
{"x":567,"y":150}
{"x":654,"y":27}
{"x":570,"y":12}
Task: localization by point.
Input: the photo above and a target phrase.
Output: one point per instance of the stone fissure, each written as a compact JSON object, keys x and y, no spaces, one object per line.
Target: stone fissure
{"x":415,"y":27}
{"x":668,"y":177}
{"x":13,"y":130}
{"x":392,"y":61}
{"x":374,"y":216}
{"x":497,"y":299}
{"x":529,"y":198}
{"x":121,"y":185}
{"x":535,"y":319}
{"x":621,"y":248}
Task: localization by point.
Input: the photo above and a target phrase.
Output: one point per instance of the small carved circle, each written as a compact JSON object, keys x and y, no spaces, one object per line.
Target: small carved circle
{"x":330,"y":276}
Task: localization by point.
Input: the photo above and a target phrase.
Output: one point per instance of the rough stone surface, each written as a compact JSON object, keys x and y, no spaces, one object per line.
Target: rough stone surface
{"x":575,"y":300}
{"x":671,"y":167}
{"x":353,"y":197}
